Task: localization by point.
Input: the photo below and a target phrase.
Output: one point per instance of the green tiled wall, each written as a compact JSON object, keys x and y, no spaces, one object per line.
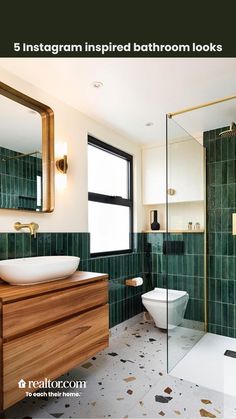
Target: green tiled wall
{"x":185,"y":272}
{"x":147,"y":261}
{"x":18,"y":182}
{"x":221,"y":203}
{"x":124,"y":301}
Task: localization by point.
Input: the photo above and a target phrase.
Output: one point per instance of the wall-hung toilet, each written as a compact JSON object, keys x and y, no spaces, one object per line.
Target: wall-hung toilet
{"x":155,"y":302}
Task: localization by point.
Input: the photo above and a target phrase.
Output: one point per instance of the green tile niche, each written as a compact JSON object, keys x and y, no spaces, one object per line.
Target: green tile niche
{"x":221,"y":204}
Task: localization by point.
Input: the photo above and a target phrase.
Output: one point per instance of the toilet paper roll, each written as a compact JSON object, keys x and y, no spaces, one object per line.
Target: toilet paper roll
{"x":135,"y":282}
{"x":138,"y":281}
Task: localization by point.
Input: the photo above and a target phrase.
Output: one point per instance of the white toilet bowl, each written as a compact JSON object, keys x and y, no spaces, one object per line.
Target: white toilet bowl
{"x":155,"y":302}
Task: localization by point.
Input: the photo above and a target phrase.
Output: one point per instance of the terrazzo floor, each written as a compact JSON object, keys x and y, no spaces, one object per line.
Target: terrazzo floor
{"x":129,"y":380}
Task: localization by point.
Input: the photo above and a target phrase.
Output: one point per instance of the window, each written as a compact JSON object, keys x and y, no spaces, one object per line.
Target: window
{"x":110,"y":206}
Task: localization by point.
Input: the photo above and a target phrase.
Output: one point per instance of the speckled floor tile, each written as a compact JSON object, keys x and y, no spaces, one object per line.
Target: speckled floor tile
{"x":173,"y":398}
{"x":129,"y":380}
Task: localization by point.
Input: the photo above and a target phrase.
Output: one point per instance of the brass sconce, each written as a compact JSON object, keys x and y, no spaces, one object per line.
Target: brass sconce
{"x":62,"y":165}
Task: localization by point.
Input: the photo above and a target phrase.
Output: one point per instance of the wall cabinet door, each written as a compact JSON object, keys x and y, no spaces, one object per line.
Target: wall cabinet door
{"x":154,"y":175}
{"x":185,"y":173}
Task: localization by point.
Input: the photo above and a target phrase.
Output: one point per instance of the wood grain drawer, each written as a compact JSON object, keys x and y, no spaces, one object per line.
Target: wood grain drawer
{"x":53,"y":351}
{"x":33,"y":313}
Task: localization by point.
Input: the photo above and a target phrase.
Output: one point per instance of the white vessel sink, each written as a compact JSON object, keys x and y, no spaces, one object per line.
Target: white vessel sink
{"x":27,"y":271}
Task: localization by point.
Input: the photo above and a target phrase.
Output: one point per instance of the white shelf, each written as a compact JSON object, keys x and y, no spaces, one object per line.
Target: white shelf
{"x":174,"y":231}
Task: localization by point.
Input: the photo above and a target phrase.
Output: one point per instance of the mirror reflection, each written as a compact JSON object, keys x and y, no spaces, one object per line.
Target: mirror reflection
{"x":20,"y":156}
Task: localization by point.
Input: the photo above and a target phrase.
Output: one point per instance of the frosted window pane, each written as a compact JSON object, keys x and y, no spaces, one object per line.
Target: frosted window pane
{"x":107,"y":174}
{"x":108,"y":227}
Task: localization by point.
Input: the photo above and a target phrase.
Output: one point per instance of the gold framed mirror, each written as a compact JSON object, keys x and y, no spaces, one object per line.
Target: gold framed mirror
{"x":26,"y":152}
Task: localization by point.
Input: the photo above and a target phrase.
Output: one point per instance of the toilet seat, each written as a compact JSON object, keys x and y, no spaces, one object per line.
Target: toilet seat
{"x":160,"y":295}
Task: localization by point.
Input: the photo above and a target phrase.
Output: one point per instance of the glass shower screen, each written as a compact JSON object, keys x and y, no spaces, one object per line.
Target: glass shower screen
{"x":184,"y":246}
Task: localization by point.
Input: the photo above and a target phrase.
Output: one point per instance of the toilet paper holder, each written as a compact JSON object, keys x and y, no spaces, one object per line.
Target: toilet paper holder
{"x":134,"y":282}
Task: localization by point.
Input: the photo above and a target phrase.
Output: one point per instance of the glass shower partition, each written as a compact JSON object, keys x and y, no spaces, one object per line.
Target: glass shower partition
{"x":184,"y":245}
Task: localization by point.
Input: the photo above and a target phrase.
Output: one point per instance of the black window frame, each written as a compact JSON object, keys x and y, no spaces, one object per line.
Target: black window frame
{"x":115,"y":200}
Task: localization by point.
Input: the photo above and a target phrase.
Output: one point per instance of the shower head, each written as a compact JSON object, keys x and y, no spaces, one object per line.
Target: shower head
{"x":231,"y":132}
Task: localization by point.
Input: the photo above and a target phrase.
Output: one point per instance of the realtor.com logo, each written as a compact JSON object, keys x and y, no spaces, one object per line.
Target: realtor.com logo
{"x":47,"y":384}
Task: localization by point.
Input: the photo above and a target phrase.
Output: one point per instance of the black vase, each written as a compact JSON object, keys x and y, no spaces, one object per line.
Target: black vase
{"x":153,"y":220}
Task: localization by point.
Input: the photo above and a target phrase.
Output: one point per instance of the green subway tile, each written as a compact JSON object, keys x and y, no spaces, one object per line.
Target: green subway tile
{"x":231,"y":292}
{"x":231,"y":171}
{"x":40,"y":244}
{"x":59,"y":244}
{"x":211,"y":313}
{"x":225,"y":315}
{"x":47,"y":244}
{"x":211,"y":197}
{"x":211,"y":289}
{"x":228,"y":145}
{"x":26,"y":244}
{"x":230,"y":245}
{"x":231,"y":267}
{"x":223,"y":248}
{"x":54,"y":244}
{"x":3,"y":246}
{"x":225,"y":273}
{"x":218,"y":173}
{"x":211,"y":243}
{"x":231,"y":316}
{"x":217,"y":267}
{"x":211,"y":173}
{"x":212,"y":151}
{"x":218,"y":295}
{"x":11,"y":245}
{"x":218,"y":220}
{"x":231,"y":196}
{"x":224,"y":168}
{"x":70,"y":244}
{"x":65,"y":243}
{"x":33,"y":246}
{"x":218,"y":313}
{"x":218,"y":150}
{"x":224,"y":196}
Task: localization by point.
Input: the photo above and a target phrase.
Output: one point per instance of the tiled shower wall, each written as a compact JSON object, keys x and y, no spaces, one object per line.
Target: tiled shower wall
{"x":221,"y":203}
{"x":185,"y":272}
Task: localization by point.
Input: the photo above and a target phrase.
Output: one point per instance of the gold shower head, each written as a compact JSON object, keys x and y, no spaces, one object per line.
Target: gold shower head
{"x":231,"y":132}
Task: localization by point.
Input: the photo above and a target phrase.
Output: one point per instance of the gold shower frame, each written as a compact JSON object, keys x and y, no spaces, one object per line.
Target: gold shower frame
{"x":180,"y":112}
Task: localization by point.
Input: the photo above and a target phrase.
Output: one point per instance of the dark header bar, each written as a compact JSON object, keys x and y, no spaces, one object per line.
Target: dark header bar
{"x":117,"y":28}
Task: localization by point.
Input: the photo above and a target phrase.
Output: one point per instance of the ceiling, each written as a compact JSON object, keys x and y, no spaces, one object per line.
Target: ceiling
{"x":21,"y":128}
{"x":137,"y":90}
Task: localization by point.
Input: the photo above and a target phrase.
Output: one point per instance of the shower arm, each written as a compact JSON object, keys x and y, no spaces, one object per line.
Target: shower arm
{"x":203,"y":105}
{"x":19,"y":156}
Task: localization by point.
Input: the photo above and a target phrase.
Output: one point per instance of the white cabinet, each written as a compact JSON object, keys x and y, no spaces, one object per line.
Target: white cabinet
{"x":185,"y":173}
{"x":154,"y":175}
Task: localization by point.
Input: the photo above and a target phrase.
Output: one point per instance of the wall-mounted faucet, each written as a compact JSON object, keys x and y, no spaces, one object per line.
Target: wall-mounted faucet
{"x":33,"y":227}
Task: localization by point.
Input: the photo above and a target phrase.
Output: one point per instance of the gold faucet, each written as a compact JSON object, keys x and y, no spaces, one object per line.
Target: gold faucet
{"x":33,"y":227}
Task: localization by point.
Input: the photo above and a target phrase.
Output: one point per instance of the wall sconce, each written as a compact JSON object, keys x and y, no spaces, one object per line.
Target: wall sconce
{"x":62,"y":165}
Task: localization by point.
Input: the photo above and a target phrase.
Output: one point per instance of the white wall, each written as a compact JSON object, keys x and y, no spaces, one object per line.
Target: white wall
{"x":72,"y":127}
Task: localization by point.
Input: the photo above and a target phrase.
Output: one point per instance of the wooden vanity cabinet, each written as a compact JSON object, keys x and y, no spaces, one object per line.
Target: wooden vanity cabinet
{"x":47,"y":329}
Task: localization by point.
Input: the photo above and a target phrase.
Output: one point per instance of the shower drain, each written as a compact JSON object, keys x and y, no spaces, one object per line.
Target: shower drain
{"x":232,"y":354}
